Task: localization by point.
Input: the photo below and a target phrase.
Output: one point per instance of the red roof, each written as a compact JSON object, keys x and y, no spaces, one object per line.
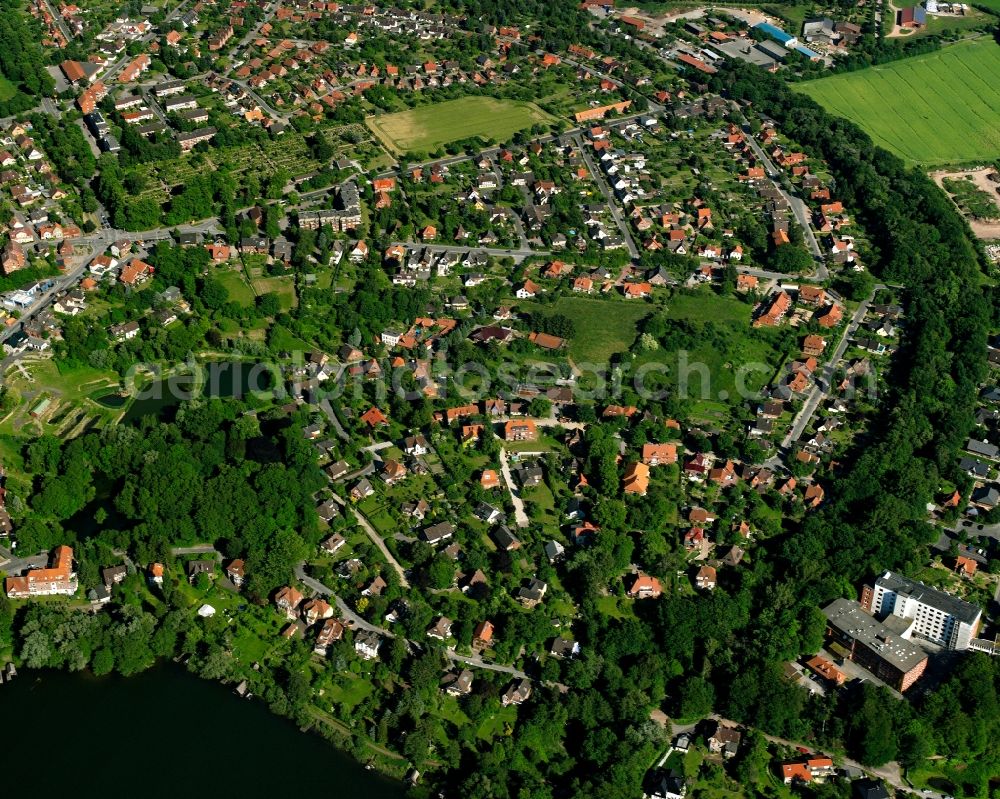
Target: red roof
{"x":373,"y":417}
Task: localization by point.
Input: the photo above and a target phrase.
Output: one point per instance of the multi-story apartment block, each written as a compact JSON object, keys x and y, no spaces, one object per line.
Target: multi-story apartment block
{"x":343,"y":219}
{"x":933,"y":615}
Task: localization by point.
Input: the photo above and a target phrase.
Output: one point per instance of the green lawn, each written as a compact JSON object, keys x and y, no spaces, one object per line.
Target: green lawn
{"x":237,"y":287}
{"x":284,"y":287}
{"x":603,"y":327}
{"x":283,"y":339}
{"x":704,"y":305}
{"x":7,"y":89}
{"x":495,"y":724}
{"x":727,"y":357}
{"x":937,"y":108}
{"x":352,"y":691}
{"x":428,"y":127}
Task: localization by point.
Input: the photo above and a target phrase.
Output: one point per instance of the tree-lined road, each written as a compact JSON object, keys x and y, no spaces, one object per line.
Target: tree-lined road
{"x":821,"y":384}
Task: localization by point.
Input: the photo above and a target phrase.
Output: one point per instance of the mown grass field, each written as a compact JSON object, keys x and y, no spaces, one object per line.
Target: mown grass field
{"x":284,"y":287}
{"x":937,"y":108}
{"x":603,"y":327}
{"x":7,"y":89}
{"x":428,"y":127}
{"x":237,"y":287}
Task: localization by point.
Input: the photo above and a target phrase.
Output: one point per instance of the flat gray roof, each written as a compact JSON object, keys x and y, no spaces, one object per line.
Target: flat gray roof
{"x":847,"y":616}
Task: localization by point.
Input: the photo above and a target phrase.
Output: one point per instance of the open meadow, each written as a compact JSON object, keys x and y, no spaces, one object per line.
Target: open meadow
{"x":934,"y":109}
{"x":603,"y":328}
{"x":428,"y":127}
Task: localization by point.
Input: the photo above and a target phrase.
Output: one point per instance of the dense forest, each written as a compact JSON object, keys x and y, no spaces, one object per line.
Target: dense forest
{"x":219,"y":472}
{"x":22,"y":62}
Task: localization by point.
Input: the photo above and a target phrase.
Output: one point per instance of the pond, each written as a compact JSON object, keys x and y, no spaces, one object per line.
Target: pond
{"x":220,"y":380}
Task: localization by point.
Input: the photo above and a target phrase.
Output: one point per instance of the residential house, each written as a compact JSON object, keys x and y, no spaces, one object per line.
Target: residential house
{"x":724,"y":741}
{"x":706,"y":578}
{"x":533,"y":593}
{"x":437,"y":533}
{"x":441,"y":629}
{"x":459,"y":684}
{"x":367,"y":643}
{"x":196,"y":568}
{"x":287,"y":601}
{"x":332,"y":630}
{"x":316,"y":609}
{"x":636,"y":479}
{"x":236,"y":572}
{"x":518,"y":693}
{"x":333,"y":544}
{"x":644,"y":587}
{"x":482,"y":635}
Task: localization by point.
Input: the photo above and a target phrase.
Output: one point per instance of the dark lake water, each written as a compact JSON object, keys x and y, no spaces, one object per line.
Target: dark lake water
{"x":220,"y":380}
{"x":165,"y":733}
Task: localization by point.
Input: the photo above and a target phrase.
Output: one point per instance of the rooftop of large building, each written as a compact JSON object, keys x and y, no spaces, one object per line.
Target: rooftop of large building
{"x":946,"y":603}
{"x":848,"y":617}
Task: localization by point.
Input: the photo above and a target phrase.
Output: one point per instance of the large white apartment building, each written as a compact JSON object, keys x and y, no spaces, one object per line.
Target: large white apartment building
{"x":933,"y":615}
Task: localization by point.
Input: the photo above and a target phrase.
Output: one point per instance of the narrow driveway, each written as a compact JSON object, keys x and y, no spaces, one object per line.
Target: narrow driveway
{"x":376,"y":540}
{"x":519,"y":515}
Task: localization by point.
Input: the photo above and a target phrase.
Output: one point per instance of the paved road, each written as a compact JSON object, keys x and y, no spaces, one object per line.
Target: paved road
{"x":479,"y":663}
{"x":260,"y":100}
{"x":234,"y":56}
{"x":609,"y":197}
{"x":57,"y":18}
{"x":971,"y":527}
{"x":201,"y":549}
{"x":13,"y":565}
{"x":890,"y":772}
{"x":327,"y":408}
{"x":354,"y":621}
{"x":519,"y":515}
{"x":519,"y":254}
{"x":97,"y":243}
{"x":799,"y":209}
{"x":821,"y":385}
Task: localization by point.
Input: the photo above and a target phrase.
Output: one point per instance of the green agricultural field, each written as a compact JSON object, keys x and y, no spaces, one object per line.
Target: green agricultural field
{"x":937,"y":108}
{"x":603,"y":327}
{"x":426,"y":128}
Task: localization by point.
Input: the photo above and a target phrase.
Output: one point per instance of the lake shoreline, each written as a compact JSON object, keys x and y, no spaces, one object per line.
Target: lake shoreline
{"x":168,"y":698}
